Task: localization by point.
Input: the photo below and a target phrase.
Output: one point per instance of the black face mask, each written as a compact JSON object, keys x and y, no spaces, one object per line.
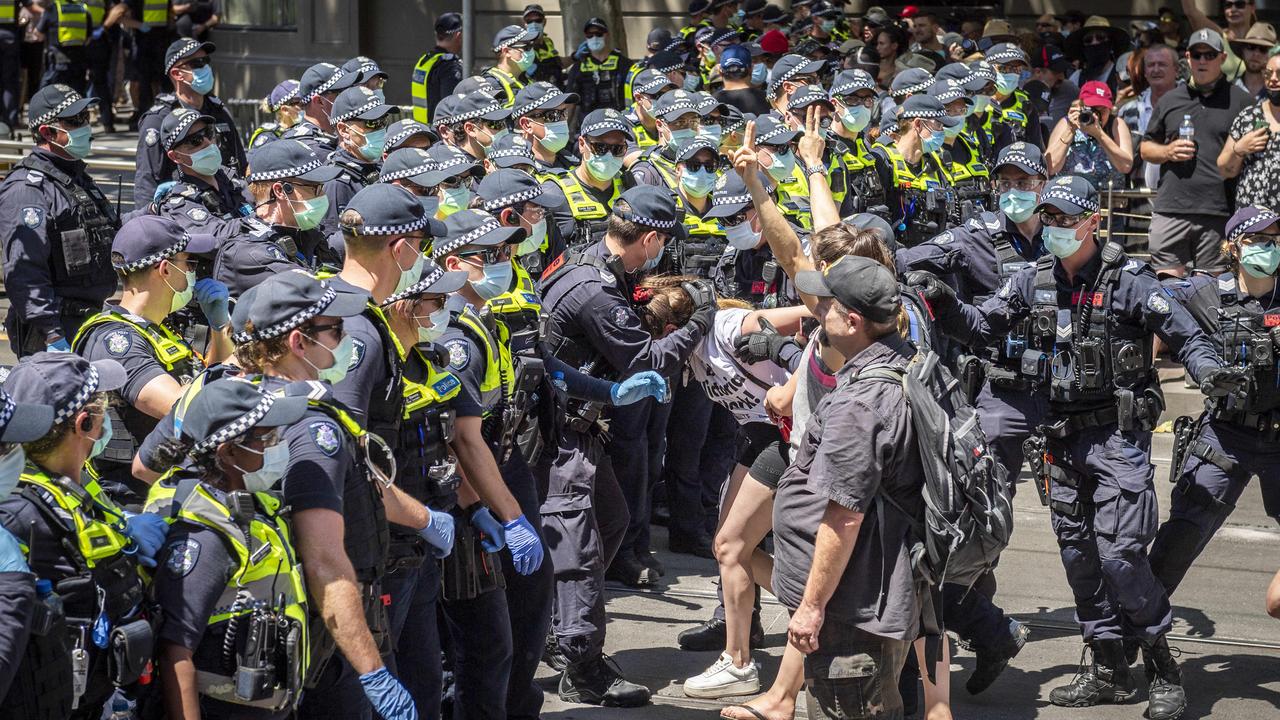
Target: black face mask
{"x":1097,"y":55}
{"x":1273,"y":96}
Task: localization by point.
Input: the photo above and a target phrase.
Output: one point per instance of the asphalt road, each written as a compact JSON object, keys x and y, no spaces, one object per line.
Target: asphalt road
{"x":1230,"y":648}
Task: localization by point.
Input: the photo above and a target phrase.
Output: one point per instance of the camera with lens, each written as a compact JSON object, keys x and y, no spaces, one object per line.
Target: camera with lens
{"x":1087,"y":116}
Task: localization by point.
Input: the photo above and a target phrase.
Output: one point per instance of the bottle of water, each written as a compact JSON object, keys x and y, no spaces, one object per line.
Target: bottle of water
{"x":120,"y":709}
{"x":49,"y":610}
{"x":557,"y":379}
{"x":1186,"y":131}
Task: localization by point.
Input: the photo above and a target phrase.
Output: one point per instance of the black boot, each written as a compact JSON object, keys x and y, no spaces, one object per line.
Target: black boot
{"x":710,"y":635}
{"x":652,"y":562}
{"x":551,"y":654}
{"x":627,"y":570}
{"x":1166,"y":699}
{"x":599,"y":682}
{"x":1104,"y":680}
{"x":990,"y":662}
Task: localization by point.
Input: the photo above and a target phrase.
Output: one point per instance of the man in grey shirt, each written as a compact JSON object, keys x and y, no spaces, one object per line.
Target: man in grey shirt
{"x":842,"y":560}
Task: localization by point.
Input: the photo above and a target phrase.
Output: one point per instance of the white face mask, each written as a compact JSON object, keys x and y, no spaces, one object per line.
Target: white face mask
{"x":342,"y":356}
{"x":439,"y":323}
{"x":410,"y":276}
{"x":275,"y":460}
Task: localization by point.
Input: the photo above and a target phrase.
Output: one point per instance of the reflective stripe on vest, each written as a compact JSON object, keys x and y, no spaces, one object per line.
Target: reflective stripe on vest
{"x":97,"y":521}
{"x":975,"y":169}
{"x":440,"y":386}
{"x":155,"y":12}
{"x":73,"y":24}
{"x":418,"y":85}
{"x":903,"y":177}
{"x":499,"y":376}
{"x":581,"y":203}
{"x":168,"y":348}
{"x":545,"y":49}
{"x":589,"y":63}
{"x":643,"y":138}
{"x":522,"y":298}
{"x":510,"y":85}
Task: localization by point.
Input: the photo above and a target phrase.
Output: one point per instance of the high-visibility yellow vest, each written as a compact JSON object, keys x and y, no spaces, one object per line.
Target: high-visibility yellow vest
{"x":73,"y":24}
{"x":499,"y":373}
{"x":155,"y":12}
{"x":418,"y":86}
{"x":97,"y":11}
{"x":8,"y":13}
{"x":169,"y":349}
{"x":510,"y":84}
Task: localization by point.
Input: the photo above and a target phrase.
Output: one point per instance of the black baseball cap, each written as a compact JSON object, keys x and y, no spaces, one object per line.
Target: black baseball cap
{"x":184,"y":48}
{"x":858,"y":283}
{"x":450,"y":22}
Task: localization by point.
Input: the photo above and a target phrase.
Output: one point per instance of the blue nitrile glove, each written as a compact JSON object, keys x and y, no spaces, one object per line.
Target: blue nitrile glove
{"x":388,"y":696}
{"x":642,"y":385}
{"x":582,"y":51}
{"x":162,"y":191}
{"x":144,"y":27}
{"x":213,"y":297}
{"x":439,"y":533}
{"x":97,"y":32}
{"x":61,"y":346}
{"x":147,"y":530}
{"x":494,"y":537}
{"x":11,"y":557}
{"x":525,"y":547}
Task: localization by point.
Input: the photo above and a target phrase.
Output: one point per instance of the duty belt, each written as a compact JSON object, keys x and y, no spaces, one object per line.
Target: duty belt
{"x":1266,"y":423}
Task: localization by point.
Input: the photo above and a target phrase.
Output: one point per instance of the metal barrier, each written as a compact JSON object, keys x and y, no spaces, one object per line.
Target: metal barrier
{"x":1126,"y":216}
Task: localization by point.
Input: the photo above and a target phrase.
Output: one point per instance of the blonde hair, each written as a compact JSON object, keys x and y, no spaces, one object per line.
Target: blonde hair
{"x":664,"y":302}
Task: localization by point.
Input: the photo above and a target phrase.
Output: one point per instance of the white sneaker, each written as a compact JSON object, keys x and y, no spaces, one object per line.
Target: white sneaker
{"x":723,"y":679}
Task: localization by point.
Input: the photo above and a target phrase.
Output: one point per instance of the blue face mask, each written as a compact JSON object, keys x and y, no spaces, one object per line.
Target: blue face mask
{"x":651,"y":263}
{"x":783,"y":165}
{"x":100,"y":444}
{"x":712,"y":133}
{"x":932,"y":142}
{"x":698,"y":183}
{"x":527,"y":59}
{"x":759,"y":73}
{"x":855,"y":119}
{"x":690,"y":82}
{"x":374,"y":141}
{"x":595,"y":44}
{"x":1062,"y":242}
{"x":534,"y":28}
{"x":202,"y":80}
{"x":1260,"y":261}
{"x":1007,"y":82}
{"x":495,"y":137}
{"x":980,"y":104}
{"x":1018,"y":204}
{"x":497,"y":280}
{"x":556,"y":136}
{"x":680,"y":138}
{"x":828,"y":26}
{"x":953,"y":132}
{"x":79,"y":142}
{"x":207,"y":160}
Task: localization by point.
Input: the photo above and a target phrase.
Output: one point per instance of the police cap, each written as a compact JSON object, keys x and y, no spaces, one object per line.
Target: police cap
{"x":288,"y":159}
{"x":1022,"y":155}
{"x":512,"y":36}
{"x":772,"y":131}
{"x":597,"y":23}
{"x":706,"y":103}
{"x":401,"y":131}
{"x":475,"y":228}
{"x":511,"y":150}
{"x":360,"y":103}
{"x":365,"y":69}
{"x":432,"y":280}
{"x":675,"y":103}
{"x":386,"y":209}
{"x":789,"y":66}
{"x":540,"y":95}
{"x":911,"y":80}
{"x":651,"y":82}
{"x":848,"y":82}
{"x":23,"y":422}
{"x":450,"y":22}
{"x":729,"y":197}
{"x":322,"y":78}
{"x":56,"y":101}
{"x":605,"y":120}
{"x":806,"y":96}
{"x":413,"y":164}
{"x":1070,"y":194}
{"x":650,"y":207}
{"x":504,"y":188}
{"x":176,"y":126}
{"x":62,"y":381}
{"x":184,"y":48}
{"x":286,"y":301}
{"x":285,"y":92}
{"x":698,"y":144}
{"x":146,"y":240}
{"x":229,"y":408}
{"x":658,"y":39}
{"x":1006,"y":52}
{"x":460,"y":107}
{"x":450,"y":162}
{"x":1250,"y":219}
{"x":665,"y":62}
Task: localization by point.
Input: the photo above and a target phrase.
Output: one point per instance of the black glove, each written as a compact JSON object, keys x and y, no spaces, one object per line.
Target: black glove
{"x":1224,"y":381}
{"x":703,"y":295}
{"x":941,"y":296}
{"x":436,"y":354}
{"x":766,"y":344}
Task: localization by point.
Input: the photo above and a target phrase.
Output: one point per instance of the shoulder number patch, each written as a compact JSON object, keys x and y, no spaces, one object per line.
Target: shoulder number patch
{"x":183,"y":555}
{"x":325,"y":436}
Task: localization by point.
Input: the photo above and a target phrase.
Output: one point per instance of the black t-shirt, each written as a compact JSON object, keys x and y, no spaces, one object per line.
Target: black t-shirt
{"x":1195,"y":186}
{"x":748,"y":100}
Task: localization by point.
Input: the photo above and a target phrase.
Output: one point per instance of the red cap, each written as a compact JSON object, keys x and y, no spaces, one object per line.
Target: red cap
{"x":1096,"y":94}
{"x":774,"y":43}
{"x":909,"y":11}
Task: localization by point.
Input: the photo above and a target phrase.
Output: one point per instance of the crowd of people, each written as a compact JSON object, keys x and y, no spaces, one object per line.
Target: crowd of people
{"x":353,"y":415}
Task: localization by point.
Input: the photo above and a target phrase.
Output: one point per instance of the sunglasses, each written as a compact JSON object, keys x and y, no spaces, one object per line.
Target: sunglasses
{"x":854,"y":100}
{"x":1236,"y":4}
{"x":317,"y":328}
{"x":1063,"y":221}
{"x":266,"y":439}
{"x":1263,"y":240}
{"x":491,"y":256}
{"x":547,"y":116}
{"x":451,"y":183}
{"x":734,"y":220}
{"x":1205,"y":55}
{"x":595,"y":34}
{"x":196,"y":138}
{"x":600,"y":148}
{"x":695,"y":166}
{"x":76,"y":121}
{"x":197,"y":63}
{"x":1025,"y":185}
{"x":378,"y":124}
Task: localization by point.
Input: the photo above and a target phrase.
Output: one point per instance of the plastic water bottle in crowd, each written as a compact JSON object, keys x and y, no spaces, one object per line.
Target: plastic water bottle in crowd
{"x":120,"y":709}
{"x":557,"y":379}
{"x":1186,"y":131}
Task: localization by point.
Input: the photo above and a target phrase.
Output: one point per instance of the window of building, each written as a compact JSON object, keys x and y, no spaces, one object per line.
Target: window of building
{"x":261,"y":14}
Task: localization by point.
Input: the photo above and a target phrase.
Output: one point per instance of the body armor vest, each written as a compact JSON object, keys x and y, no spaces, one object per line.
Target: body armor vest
{"x":427,"y":469}
{"x":599,"y":88}
{"x":863,"y":180}
{"x":1017,"y":115}
{"x":925,"y":200}
{"x":702,"y":252}
{"x":386,"y":404}
{"x":971,"y":183}
{"x":510,"y":84}
{"x":590,"y":217}
{"x":418,"y":85}
{"x":81,"y":235}
{"x":1243,"y":338}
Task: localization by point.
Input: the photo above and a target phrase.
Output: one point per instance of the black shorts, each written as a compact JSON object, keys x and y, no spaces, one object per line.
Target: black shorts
{"x":762,"y":449}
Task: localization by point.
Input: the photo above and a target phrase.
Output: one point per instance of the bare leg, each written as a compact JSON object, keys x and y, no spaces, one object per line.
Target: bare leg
{"x":937,"y":698}
{"x":745,"y":519}
{"x":780,"y":702}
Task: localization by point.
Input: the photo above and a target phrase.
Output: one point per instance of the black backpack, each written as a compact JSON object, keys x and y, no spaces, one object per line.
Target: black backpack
{"x":968,"y":515}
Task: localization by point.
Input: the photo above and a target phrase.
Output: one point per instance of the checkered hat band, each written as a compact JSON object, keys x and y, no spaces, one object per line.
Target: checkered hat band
{"x":766,"y":137}
{"x":680,"y":105}
{"x":454,"y":119}
{"x":373,"y":103}
{"x":400,"y":229}
{"x":918,"y":87}
{"x":1008,"y":56}
{"x":512,"y":152}
{"x":1063,"y":193}
{"x":81,"y":397}
{"x":155,"y":258}
{"x":286,"y":172}
{"x":67,"y":102}
{"x":1264,"y":218}
{"x":849,"y":88}
{"x":184,"y":123}
{"x":513,"y":198}
{"x":403,"y":135}
{"x":647,"y":221}
{"x":730,"y":199}
{"x":368,"y":67}
{"x":605,"y":126}
{"x":926,"y":114}
{"x":178,"y":57}
{"x":289,"y":95}
{"x":951,"y":94}
{"x":324,"y":86}
{"x":530,"y":106}
{"x":419,"y":287}
{"x":773,"y":86}
{"x":293,"y":321}
{"x":453,"y":162}
{"x":1022,"y":159}
{"x":237,"y":427}
{"x":448,"y":246}
{"x":651,"y":86}
{"x":6,"y":410}
{"x":407,"y":172}
{"x":524,"y":34}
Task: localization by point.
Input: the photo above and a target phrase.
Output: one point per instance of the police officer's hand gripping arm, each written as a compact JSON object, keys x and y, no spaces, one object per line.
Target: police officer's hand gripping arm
{"x":974,"y":326}
{"x":1159,"y":312}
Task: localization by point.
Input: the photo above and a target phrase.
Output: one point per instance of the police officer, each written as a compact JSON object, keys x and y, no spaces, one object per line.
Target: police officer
{"x":853,"y":96}
{"x":411,"y":169}
{"x":678,"y":122}
{"x":318,"y":90}
{"x":187,"y":64}
{"x":788,"y":75}
{"x":57,"y":228}
{"x":510,"y":151}
{"x":470,"y":122}
{"x":287,"y":183}
{"x":156,"y":260}
{"x":284,"y":104}
{"x":452,"y":180}
{"x":912,"y":171}
{"x":92,"y":560}
{"x":338,"y":483}
{"x":229,"y":569}
{"x":516,"y":199}
{"x":977,"y":258}
{"x":597,"y":75}
{"x":596,"y":183}
{"x":550,"y":66}
{"x":66,"y":26}
{"x":968,"y":174}
{"x":541,"y":115}
{"x":1217,"y":455}
{"x":648,"y":85}
{"x":516,"y":56}
{"x":809,"y":104}
{"x":205,"y":195}
{"x":1092,"y":313}
{"x":360,"y":118}
{"x":777,"y":139}
{"x":408,"y":134}
{"x":152,"y":24}
{"x":979,"y":84}
{"x":368,"y":73}
{"x":699,"y":17}
{"x":439,"y":71}
{"x":592,"y":324}
{"x":1010,"y":105}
